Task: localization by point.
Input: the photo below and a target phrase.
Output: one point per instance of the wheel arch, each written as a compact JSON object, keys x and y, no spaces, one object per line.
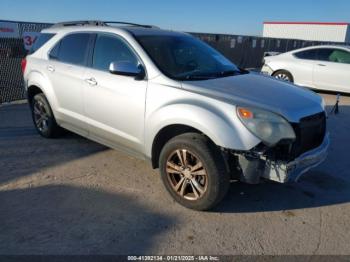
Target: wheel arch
{"x":32,"y":91}
{"x":283,"y":70}
{"x":164,"y":135}
{"x":39,"y":83}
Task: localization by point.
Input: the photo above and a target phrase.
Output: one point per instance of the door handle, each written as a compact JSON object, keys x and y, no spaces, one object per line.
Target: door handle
{"x":50,"y":68}
{"x":321,"y":65}
{"x":91,"y":81}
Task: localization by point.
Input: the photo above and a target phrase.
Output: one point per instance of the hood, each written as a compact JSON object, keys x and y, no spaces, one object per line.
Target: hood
{"x":256,"y":90}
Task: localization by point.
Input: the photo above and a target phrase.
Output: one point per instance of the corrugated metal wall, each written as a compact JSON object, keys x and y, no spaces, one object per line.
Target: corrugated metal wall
{"x":335,"y":32}
{"x":245,"y":51}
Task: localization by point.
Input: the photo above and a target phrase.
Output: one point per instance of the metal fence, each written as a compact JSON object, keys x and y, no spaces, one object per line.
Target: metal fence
{"x":11,"y":53}
{"x":245,"y":51}
{"x":248,"y":51}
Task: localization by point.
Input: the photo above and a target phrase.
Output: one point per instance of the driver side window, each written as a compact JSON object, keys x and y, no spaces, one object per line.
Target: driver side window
{"x":340,"y":56}
{"x":110,"y":49}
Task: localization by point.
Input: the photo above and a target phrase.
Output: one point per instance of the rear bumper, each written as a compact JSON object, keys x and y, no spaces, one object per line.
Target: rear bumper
{"x":291,"y":171}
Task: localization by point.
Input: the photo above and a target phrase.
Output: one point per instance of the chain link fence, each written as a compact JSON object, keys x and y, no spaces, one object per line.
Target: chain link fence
{"x":11,"y":53}
{"x":244,"y":51}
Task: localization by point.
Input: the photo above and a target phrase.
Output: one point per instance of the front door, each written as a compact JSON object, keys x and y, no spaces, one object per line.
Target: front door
{"x":332,"y":70}
{"x":114,"y":104}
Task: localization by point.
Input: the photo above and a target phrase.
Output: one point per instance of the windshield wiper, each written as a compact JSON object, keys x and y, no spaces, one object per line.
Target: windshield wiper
{"x":212,"y":75}
{"x":229,"y":73}
{"x":199,"y":77}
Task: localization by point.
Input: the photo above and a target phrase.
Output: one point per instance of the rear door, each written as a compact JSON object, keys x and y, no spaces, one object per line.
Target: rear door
{"x":66,"y":68}
{"x":114,"y":104}
{"x":332,"y":70}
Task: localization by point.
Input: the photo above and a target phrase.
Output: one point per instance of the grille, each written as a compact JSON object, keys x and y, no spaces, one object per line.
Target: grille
{"x":310,"y":132}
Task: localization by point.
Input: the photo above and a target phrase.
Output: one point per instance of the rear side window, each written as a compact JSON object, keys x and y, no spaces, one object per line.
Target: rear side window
{"x":40,"y":41}
{"x":340,"y":56}
{"x":308,"y":54}
{"x":72,"y":49}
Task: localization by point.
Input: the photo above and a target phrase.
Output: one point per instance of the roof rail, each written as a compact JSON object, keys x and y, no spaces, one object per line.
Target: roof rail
{"x":127,"y":23}
{"x":74,"y":23}
{"x":97,"y":23}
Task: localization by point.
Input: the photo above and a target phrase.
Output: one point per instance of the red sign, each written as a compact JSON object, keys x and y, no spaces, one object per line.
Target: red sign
{"x":9,"y":30}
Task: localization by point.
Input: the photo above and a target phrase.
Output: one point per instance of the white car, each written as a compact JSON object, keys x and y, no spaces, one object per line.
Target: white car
{"x":318,"y":67}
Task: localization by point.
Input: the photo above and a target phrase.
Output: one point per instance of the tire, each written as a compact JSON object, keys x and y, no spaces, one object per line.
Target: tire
{"x":43,"y":118}
{"x":283,"y":75}
{"x":205,"y":180}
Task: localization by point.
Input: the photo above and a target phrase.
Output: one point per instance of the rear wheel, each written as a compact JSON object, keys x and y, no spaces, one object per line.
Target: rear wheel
{"x":283,"y":75}
{"x":193,"y":171}
{"x":43,"y":118}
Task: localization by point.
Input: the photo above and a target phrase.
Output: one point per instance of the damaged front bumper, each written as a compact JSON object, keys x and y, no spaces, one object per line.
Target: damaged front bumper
{"x":254,"y":168}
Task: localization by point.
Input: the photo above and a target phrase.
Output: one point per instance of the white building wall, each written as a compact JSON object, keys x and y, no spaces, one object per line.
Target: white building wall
{"x":312,"y":32}
{"x":347,"y":38}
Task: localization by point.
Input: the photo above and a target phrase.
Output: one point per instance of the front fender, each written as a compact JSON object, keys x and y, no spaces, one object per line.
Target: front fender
{"x":222,"y":126}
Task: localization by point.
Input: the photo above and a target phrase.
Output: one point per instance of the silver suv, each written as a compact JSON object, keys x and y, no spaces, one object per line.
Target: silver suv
{"x":169,"y":98}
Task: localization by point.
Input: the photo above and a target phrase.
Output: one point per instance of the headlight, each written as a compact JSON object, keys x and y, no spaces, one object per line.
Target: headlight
{"x":267,"y":126}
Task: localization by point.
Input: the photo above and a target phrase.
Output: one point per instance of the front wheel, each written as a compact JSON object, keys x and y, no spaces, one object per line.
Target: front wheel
{"x":283,"y":75}
{"x":193,"y":171}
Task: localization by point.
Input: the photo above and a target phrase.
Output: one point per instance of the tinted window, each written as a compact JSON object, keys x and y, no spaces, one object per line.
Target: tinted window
{"x":334,"y":55}
{"x":40,"y":41}
{"x":72,"y":49}
{"x":54,"y":51}
{"x":308,"y":54}
{"x":324,"y":53}
{"x":184,"y":57}
{"x":111,"y":49}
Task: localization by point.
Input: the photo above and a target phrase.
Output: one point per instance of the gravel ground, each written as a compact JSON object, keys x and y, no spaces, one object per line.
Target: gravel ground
{"x":73,"y":196}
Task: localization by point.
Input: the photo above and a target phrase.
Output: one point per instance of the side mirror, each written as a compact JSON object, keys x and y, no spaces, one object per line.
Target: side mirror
{"x":126,"y":68}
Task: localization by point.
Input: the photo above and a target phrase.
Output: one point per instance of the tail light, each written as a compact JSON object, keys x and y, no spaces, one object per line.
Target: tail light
{"x":23,"y":64}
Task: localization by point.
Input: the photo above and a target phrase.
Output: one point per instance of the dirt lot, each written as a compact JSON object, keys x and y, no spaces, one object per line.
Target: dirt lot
{"x":73,"y":196}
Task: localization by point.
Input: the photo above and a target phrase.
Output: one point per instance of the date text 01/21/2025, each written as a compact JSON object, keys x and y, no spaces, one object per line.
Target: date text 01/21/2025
{"x":173,"y":258}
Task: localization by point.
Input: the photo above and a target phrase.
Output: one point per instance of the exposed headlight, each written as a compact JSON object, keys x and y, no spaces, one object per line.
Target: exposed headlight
{"x":267,"y":126}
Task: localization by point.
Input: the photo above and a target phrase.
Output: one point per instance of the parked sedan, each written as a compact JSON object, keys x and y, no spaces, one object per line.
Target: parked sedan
{"x":318,"y":67}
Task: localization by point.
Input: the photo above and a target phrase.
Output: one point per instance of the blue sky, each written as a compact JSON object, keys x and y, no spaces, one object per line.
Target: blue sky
{"x":216,"y":16}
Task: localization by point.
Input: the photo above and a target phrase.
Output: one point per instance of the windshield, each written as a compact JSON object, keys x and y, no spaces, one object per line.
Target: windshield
{"x":183,"y":57}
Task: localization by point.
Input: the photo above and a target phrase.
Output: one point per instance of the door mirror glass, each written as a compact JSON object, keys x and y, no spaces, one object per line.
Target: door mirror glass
{"x":127,"y":69}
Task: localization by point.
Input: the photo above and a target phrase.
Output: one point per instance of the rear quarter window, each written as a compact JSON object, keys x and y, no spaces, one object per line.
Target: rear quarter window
{"x":42,"y":39}
{"x":307,"y":54}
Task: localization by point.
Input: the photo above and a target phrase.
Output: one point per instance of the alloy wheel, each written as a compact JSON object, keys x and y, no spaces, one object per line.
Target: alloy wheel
{"x":41,"y":116}
{"x":282,"y":76}
{"x":186,"y":174}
